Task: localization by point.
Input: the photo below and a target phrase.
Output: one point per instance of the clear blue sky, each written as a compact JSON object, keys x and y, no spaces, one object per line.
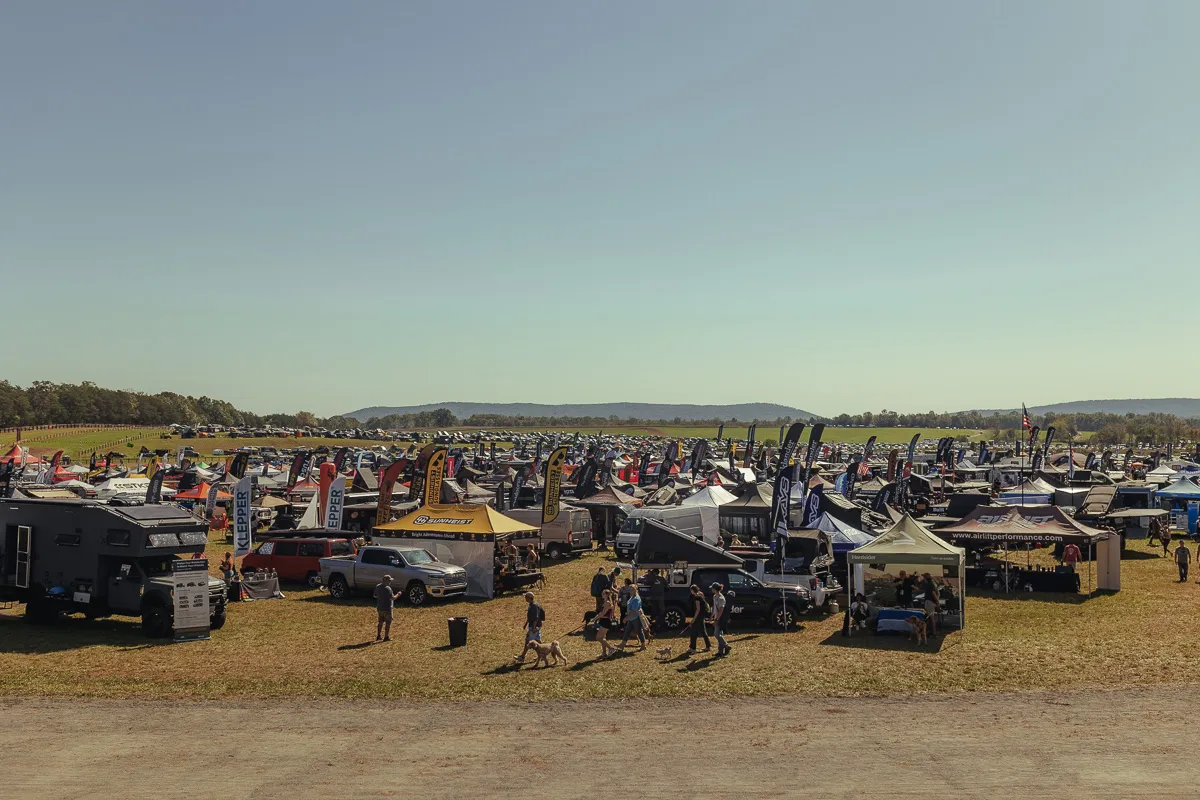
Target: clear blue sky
{"x":837,"y":206}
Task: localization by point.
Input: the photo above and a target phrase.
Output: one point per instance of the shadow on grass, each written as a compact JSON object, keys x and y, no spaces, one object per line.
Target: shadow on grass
{"x":358,"y":646}
{"x":504,"y":669}
{"x":862,"y":640}
{"x":1140,"y":555}
{"x":1066,"y":598}
{"x":442,"y":648}
{"x":72,"y":633}
{"x":698,"y":664}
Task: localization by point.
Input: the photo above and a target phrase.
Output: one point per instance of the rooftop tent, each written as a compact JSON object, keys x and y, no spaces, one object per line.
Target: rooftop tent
{"x":200,"y":492}
{"x":270,"y":501}
{"x":463,"y":534}
{"x":1182,"y":489}
{"x":663,"y":496}
{"x":1098,"y":501}
{"x":1020,"y":525}
{"x":306,"y":486}
{"x":661,"y":545}
{"x":364,"y":481}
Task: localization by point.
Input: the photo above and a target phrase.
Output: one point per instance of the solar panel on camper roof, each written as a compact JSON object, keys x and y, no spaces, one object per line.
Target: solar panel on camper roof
{"x":150,"y":513}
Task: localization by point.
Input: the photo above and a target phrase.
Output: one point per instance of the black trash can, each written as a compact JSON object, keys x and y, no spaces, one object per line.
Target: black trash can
{"x":458,"y":631}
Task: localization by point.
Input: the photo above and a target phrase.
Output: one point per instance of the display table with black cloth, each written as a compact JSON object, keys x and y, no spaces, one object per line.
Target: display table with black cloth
{"x":1060,"y":579}
{"x":510,"y":581}
{"x":260,"y":588}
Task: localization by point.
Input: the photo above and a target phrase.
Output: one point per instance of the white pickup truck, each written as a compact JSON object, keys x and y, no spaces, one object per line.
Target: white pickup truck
{"x":414,"y":571}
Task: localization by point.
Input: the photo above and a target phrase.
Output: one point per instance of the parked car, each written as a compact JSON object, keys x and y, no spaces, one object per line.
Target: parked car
{"x":416,"y":572}
{"x":753,"y":600}
{"x":296,"y":559}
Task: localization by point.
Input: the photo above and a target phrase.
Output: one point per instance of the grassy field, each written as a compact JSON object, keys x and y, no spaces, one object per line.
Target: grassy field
{"x":310,"y":646}
{"x":78,"y":443}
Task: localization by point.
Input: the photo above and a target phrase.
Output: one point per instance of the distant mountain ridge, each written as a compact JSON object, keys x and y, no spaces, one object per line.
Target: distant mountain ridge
{"x":743,"y":412}
{"x":1185,"y":407}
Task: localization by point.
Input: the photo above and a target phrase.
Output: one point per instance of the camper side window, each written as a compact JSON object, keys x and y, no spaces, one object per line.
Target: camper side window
{"x":118,"y":538}
{"x":67,"y":539}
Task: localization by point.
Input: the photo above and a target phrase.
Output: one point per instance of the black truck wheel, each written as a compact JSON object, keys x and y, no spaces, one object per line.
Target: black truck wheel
{"x":416,"y":593}
{"x":783,"y":616}
{"x":338,"y":588}
{"x":156,"y":620}
{"x":673,"y":618}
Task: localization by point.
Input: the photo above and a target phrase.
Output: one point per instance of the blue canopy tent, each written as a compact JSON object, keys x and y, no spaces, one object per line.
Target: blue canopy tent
{"x":842,"y":536}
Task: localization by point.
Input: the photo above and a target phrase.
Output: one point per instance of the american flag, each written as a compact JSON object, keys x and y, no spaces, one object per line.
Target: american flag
{"x":1025,"y":423}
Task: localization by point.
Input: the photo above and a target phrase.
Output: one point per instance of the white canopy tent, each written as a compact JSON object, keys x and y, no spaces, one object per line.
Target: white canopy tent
{"x":907,"y":542}
{"x":709,"y":500}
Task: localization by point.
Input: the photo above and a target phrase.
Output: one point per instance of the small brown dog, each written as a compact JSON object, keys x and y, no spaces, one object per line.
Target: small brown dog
{"x":547,"y":651}
{"x":916,"y":627}
{"x":664,"y":653}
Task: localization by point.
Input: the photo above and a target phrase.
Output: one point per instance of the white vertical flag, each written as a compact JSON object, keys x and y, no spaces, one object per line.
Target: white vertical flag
{"x":335,"y":502}
{"x":243,"y":538}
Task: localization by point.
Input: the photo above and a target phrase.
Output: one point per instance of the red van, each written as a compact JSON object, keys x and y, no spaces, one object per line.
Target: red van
{"x":296,"y":559}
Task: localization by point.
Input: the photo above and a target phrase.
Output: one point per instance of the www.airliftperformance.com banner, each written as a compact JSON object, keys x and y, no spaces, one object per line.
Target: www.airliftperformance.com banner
{"x":190,"y":576}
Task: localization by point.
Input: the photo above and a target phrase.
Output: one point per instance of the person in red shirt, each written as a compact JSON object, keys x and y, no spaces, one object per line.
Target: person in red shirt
{"x":1071,"y":556}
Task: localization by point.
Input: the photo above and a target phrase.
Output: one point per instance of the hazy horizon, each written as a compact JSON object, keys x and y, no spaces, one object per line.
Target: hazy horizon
{"x":848,"y":207}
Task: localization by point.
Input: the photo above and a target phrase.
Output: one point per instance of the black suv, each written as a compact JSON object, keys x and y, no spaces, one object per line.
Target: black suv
{"x":752,"y":600}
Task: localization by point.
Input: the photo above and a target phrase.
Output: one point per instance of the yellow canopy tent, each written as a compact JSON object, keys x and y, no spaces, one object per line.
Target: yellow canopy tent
{"x":456,"y":521}
{"x":463,"y":534}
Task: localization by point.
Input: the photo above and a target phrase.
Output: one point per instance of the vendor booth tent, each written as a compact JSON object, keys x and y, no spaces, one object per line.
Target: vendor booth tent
{"x":842,"y":536}
{"x":908,"y":542}
{"x":709,"y":500}
{"x":462,"y":534}
{"x":1182,"y":489}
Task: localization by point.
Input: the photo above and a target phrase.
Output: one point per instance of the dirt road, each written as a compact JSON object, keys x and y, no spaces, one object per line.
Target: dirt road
{"x":1089,"y":744}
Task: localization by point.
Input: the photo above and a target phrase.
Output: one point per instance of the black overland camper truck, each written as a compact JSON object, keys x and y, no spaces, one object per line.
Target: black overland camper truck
{"x":63,"y":556}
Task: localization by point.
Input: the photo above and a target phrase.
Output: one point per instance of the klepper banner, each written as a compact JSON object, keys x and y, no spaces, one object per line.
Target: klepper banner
{"x":553,"y":493}
{"x":335,"y":503}
{"x":242,"y":531}
{"x":325,"y":475}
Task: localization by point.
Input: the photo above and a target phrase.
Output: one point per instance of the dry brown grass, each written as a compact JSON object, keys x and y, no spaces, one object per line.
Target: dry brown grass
{"x":310,"y":646}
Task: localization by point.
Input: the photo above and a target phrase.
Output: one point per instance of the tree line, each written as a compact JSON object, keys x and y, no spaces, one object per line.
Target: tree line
{"x":47,"y":403}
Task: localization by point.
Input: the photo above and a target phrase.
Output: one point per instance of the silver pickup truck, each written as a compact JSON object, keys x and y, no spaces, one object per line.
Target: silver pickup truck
{"x":414,"y":571}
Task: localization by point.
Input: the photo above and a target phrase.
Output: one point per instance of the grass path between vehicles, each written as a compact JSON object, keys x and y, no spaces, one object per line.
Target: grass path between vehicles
{"x":311,"y":646}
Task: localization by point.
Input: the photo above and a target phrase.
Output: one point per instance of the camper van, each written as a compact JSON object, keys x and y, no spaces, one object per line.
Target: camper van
{"x":685,"y":519}
{"x":568,"y":534}
{"x":67,"y":556}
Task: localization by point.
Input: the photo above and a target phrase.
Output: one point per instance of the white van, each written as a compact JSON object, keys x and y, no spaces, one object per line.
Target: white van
{"x":685,"y":519}
{"x":568,"y":534}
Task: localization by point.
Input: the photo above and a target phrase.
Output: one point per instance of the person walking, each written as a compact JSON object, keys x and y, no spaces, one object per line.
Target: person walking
{"x":656,"y":594}
{"x":720,"y":619}
{"x":599,"y":587}
{"x":633,"y":620}
{"x":385,"y":602}
{"x":604,"y":624}
{"x":1165,"y":536}
{"x":623,"y":596}
{"x":535,"y":616}
{"x":699,"y":614}
{"x":931,"y":603}
{"x":1183,"y":557}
